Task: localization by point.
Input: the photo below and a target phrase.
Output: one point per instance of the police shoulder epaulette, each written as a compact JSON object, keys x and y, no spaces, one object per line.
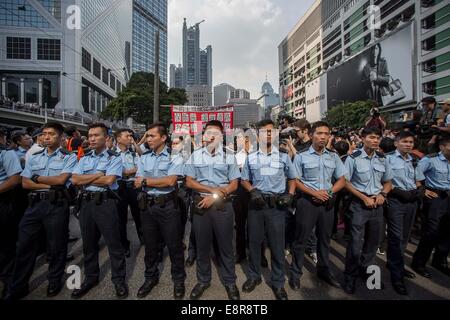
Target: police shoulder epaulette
{"x":432,"y":155}
{"x":356,"y":154}
{"x":380,"y":154}
{"x":303,"y":150}
{"x":169,"y":150}
{"x":147,"y":152}
{"x":331,"y":150}
{"x":389,"y":153}
{"x":112,"y":153}
{"x":65,"y":151}
{"x":283,"y":151}
{"x":39,"y":152}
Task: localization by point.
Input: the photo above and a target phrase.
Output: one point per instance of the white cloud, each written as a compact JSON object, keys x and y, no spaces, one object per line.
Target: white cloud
{"x":244,"y":35}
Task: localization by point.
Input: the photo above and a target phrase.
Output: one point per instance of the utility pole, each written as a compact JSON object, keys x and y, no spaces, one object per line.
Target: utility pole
{"x":156,"y":81}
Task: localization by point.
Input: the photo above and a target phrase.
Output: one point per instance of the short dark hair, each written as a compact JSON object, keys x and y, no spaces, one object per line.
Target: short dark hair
{"x":319,"y":124}
{"x":404,"y":134}
{"x":341,"y":147}
{"x":387,"y":145}
{"x":99,"y":125}
{"x":17,"y":136}
{"x":302,"y":124}
{"x":120,"y":131}
{"x":264,"y":123}
{"x":429,"y":100}
{"x":54,"y":125}
{"x":214,"y":123}
{"x":444,"y":139}
{"x":71,"y":130}
{"x":162,"y":129}
{"x":372,"y":130}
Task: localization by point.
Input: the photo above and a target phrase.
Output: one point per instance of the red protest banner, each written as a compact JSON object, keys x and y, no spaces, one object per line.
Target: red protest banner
{"x":193,"y":119}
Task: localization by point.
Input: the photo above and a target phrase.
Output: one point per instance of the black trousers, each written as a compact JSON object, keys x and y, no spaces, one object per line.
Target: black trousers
{"x":128,"y":198}
{"x":218,"y":223}
{"x":98,"y":220}
{"x":163,"y":224}
{"x":400,"y":219}
{"x":240,"y":206}
{"x":434,"y":211}
{"x":54,"y":220}
{"x":364,"y":238}
{"x":443,"y":246}
{"x":309,"y":216}
{"x":270,"y":222}
{"x":9,"y":220}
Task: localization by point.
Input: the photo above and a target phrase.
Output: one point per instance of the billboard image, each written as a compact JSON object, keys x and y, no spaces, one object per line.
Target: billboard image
{"x":316,"y":98}
{"x":383,"y":73}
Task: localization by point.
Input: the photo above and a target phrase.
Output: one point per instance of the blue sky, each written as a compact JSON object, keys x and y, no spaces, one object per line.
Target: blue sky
{"x":244,"y":35}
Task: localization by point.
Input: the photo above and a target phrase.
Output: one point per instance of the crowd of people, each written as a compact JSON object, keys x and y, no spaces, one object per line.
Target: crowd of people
{"x":285,"y":188}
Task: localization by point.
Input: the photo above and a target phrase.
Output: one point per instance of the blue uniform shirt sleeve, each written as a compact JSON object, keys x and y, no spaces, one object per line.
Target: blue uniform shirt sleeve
{"x":115,"y":167}
{"x":340,"y":170}
{"x":70,"y":164}
{"x":349,"y":165}
{"x":233,"y":171}
{"x":289,"y":169}
{"x":176,"y":167}
{"x":298,"y":165}
{"x":78,"y":169}
{"x":423,"y":167}
{"x":189,"y":169}
{"x":245,"y":174}
{"x":388,"y":174}
{"x":419,"y":173}
{"x":140,"y":168}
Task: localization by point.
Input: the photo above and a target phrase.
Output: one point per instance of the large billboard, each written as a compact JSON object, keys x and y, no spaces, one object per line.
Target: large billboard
{"x":383,"y":73}
{"x":316,"y":98}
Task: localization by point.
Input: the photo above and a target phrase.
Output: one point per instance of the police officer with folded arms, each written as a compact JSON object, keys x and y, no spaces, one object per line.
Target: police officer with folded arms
{"x":212,"y":174}
{"x":127,"y":191}
{"x":402,"y":206}
{"x":321,"y":175}
{"x":46,"y":175}
{"x":436,"y":207}
{"x":10,"y":170}
{"x":160,"y":213}
{"x":369,"y":181}
{"x":269,"y":176}
{"x":97,"y":173}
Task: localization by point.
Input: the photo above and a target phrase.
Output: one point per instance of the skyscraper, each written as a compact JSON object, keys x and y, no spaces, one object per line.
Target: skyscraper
{"x":148,"y":17}
{"x":176,"y":76}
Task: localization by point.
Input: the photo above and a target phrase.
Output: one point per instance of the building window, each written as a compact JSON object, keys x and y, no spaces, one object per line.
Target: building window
{"x":18,"y":48}
{"x":96,"y":69}
{"x":112,"y":82}
{"x":49,"y":49}
{"x":118,"y":86}
{"x":105,"y":75}
{"x":86,"y":59}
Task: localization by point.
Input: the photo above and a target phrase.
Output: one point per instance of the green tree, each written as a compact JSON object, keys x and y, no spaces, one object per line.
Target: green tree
{"x":352,"y":114}
{"x":136,"y":100}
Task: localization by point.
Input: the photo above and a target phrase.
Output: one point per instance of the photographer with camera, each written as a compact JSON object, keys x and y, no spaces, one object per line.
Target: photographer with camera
{"x":444,"y":121}
{"x":375,"y":120}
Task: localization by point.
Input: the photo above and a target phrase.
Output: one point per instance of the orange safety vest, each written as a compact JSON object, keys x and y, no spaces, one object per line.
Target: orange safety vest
{"x":80,"y":152}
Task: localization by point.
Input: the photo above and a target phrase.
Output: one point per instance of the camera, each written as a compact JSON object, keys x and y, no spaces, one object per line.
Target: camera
{"x":286,"y":133}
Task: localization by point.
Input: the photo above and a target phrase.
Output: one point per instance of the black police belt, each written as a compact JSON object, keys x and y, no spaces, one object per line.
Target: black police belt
{"x":358,"y":200}
{"x":52,"y":195}
{"x":219,"y":204}
{"x":443,"y":194}
{"x":98,"y":196}
{"x":328,"y":203}
{"x":271,"y":199}
{"x":161,"y":200}
{"x":125,"y":184}
{"x":411,"y":195}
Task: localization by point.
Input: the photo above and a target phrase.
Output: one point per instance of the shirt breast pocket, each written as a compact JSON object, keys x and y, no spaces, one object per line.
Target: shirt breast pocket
{"x":379,"y":170}
{"x":311,"y":170}
{"x":442,"y":175}
{"x":38,"y":169}
{"x":55,"y":168}
{"x":255,"y":171}
{"x":163,"y":167}
{"x":330,"y":167}
{"x":103,"y":166}
{"x":202,"y":171}
{"x":363,"y":172}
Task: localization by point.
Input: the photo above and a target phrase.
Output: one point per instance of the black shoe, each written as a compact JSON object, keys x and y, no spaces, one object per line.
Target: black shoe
{"x":250,"y":285}
{"x":84,"y":289}
{"x":264,"y":262}
{"x":179,"y":291}
{"x":399,"y":287}
{"x":280,"y":293}
{"x":328,"y":278}
{"x":421,"y":271}
{"x":233,"y":292}
{"x":349,"y":286}
{"x":121,"y":290}
{"x":54,"y":289}
{"x":198,"y":290}
{"x":146,"y":288}
{"x":69,"y":257}
{"x":442,"y":267}
{"x":409,"y":274}
{"x":10,"y":296}
{"x":190,"y":261}
{"x":294,"y":284}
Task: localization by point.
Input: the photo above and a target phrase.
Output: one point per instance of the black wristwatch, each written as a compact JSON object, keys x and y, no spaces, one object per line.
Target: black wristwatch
{"x":384,"y":194}
{"x":35,"y":178}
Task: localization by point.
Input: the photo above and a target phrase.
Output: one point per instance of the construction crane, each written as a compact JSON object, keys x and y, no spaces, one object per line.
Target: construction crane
{"x":198,"y":23}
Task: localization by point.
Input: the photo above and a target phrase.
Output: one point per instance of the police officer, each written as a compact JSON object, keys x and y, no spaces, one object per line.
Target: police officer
{"x":10,"y":170}
{"x":23,"y":143}
{"x":127,"y":192}
{"x":213,"y":175}
{"x":97,"y":174}
{"x":265,"y":175}
{"x":161,"y":218}
{"x":436,"y":169}
{"x":369,"y":181}
{"x":402,"y":206}
{"x":317,"y":167}
{"x":46,"y":175}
